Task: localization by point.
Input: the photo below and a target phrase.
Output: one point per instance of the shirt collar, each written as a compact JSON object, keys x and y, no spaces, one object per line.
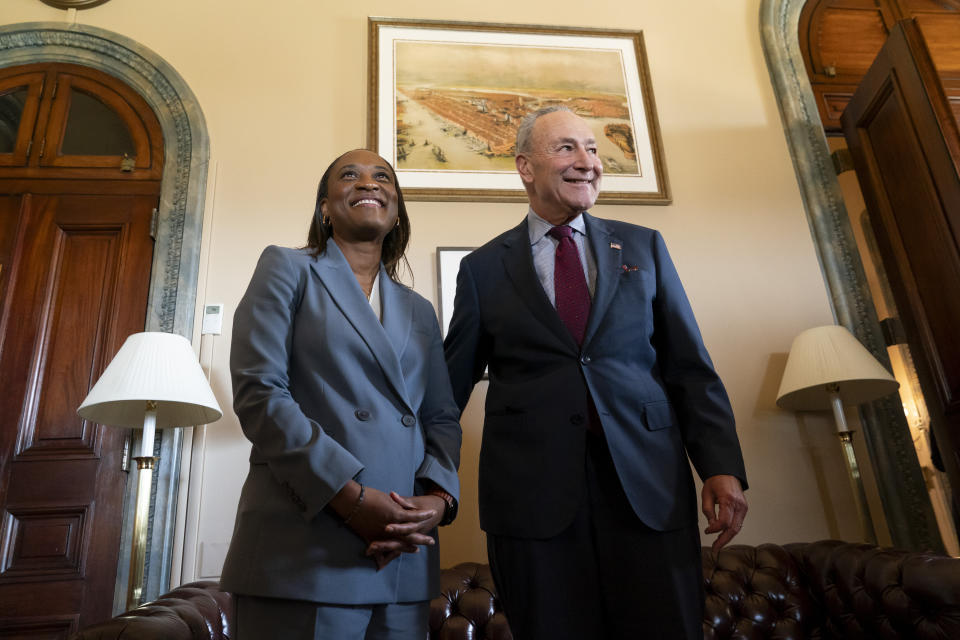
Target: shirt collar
{"x":538,"y":227}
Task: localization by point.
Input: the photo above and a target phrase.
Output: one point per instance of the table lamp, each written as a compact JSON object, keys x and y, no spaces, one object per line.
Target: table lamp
{"x":154,"y":381}
{"x":826,"y":369}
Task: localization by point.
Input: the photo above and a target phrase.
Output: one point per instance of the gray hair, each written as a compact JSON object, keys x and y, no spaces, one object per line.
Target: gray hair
{"x":525,"y":130}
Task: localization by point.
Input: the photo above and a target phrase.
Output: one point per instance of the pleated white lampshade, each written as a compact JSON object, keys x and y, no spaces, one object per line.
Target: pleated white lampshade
{"x":161,"y":367}
{"x":831,"y":355}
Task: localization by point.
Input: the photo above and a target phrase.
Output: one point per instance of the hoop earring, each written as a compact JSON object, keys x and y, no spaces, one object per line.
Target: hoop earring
{"x":325,"y":221}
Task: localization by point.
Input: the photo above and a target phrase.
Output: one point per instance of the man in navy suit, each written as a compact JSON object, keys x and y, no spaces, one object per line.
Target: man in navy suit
{"x":600,"y":390}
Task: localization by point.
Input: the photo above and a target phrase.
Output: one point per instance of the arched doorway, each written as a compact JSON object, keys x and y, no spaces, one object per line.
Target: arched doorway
{"x":910,"y":515}
{"x":173,"y":281}
{"x":81,"y":157}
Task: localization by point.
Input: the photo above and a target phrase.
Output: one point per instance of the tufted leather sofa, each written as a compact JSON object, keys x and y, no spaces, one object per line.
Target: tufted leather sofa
{"x":828,"y":590}
{"x":198,"y":610}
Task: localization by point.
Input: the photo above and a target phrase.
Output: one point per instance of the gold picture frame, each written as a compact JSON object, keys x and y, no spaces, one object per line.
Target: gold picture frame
{"x":445,"y":99}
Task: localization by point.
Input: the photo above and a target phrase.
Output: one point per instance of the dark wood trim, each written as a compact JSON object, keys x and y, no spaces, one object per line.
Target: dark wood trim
{"x":78,"y":186}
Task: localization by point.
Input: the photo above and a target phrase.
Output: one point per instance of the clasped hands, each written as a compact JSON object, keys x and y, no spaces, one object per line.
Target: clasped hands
{"x":389,"y":523}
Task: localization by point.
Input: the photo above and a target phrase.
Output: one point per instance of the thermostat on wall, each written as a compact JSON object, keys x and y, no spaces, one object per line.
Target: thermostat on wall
{"x":212,"y":319}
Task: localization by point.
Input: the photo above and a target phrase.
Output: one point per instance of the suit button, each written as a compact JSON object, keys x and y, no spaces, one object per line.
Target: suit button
{"x":362,"y":414}
{"x":576,"y":418}
{"x":408,"y":420}
{"x":585,"y":359}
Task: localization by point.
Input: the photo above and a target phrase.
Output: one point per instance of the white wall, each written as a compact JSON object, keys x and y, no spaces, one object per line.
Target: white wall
{"x":283,"y":89}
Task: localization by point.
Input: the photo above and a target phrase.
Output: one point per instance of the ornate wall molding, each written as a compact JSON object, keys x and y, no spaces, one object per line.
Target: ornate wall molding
{"x":907,"y":507}
{"x":173,"y":279}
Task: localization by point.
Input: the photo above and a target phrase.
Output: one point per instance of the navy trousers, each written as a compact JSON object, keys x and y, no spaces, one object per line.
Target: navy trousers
{"x":606,"y":576}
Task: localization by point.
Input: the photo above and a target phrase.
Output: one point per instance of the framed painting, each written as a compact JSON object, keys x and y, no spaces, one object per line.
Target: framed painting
{"x":446,"y":99}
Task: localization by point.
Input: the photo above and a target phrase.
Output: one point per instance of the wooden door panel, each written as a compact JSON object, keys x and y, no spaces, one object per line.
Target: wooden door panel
{"x":905,"y":144}
{"x":9,"y":230}
{"x":48,"y":628}
{"x":80,"y":289}
{"x":918,"y":234}
{"x":45,"y":542}
{"x":78,"y":293}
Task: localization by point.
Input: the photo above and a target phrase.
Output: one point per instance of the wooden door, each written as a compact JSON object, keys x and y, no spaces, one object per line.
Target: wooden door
{"x":75,"y":214}
{"x":906,"y":148}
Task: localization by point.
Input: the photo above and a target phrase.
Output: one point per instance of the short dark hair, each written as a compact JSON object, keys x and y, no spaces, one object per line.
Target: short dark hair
{"x":525,"y":129}
{"x":395,"y":244}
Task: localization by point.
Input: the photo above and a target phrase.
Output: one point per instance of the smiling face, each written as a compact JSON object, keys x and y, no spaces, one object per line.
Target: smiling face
{"x":562,"y":170}
{"x":361,"y":199}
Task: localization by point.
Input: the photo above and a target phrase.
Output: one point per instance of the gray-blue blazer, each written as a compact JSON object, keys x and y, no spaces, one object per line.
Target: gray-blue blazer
{"x":327,"y":393}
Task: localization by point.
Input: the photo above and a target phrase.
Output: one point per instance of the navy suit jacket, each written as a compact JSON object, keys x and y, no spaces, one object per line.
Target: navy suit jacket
{"x":327,"y":393}
{"x":642,"y":364}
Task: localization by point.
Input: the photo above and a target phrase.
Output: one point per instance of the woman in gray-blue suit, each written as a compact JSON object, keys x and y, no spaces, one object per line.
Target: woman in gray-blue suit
{"x":340,"y":383}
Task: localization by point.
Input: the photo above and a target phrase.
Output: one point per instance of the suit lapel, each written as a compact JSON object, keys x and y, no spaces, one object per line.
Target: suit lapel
{"x":385,"y":344}
{"x":606,"y":249}
{"x":518,"y":262}
{"x":397,"y":314}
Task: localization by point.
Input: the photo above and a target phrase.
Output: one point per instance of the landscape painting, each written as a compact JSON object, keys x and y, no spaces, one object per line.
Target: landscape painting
{"x":458,"y":106}
{"x":448,"y":99}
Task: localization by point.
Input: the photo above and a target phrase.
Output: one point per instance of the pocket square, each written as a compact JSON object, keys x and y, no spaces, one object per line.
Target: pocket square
{"x":627,"y":267}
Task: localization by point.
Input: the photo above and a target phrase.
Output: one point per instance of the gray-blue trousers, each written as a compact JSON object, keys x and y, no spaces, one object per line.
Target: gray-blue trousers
{"x":272,"y":618}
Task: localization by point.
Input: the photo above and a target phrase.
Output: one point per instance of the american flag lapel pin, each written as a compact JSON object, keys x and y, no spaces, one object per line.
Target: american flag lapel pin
{"x":616,"y":245}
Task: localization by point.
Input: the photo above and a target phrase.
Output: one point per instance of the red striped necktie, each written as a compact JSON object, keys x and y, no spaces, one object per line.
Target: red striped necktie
{"x":569,"y":284}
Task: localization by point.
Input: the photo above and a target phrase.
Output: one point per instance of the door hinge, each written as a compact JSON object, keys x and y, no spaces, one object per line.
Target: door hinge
{"x":842,"y":161}
{"x":125,"y":458}
{"x":893,"y":332}
{"x":56,"y":85}
{"x":154,"y":221}
{"x":43,"y":145}
{"x":29,"y":147}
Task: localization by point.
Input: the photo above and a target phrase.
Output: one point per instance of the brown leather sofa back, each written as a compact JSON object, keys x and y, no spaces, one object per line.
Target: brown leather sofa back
{"x":194,"y":611}
{"x":831,"y":590}
{"x":826,"y":590}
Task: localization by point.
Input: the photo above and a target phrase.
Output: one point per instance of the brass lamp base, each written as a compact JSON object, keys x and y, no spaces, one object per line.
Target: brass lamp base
{"x":856,"y":485}
{"x":138,"y":554}
{"x":853,"y":469}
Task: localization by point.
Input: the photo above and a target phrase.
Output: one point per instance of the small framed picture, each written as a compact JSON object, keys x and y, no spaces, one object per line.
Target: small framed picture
{"x":448,"y":265}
